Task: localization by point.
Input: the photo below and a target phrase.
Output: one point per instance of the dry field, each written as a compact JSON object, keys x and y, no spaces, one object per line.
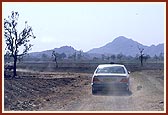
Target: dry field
{"x":71,"y":91}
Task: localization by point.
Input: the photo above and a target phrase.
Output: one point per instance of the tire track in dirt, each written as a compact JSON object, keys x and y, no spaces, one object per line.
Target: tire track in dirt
{"x":106,"y":101}
{"x":146,"y":95}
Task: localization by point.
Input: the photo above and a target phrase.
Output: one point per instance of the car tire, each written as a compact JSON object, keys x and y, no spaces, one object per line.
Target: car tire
{"x":128,"y":89}
{"x":93,"y":91}
{"x":129,"y":86}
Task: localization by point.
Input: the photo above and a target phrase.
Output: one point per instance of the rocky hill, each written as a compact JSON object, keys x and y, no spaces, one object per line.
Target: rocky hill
{"x":127,"y":47}
{"x":119,"y":45}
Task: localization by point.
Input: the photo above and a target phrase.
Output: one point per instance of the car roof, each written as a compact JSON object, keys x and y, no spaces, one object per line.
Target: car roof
{"x":110,"y":65}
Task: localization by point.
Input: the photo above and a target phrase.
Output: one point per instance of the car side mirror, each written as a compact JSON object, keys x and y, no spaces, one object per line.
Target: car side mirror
{"x":129,"y":72}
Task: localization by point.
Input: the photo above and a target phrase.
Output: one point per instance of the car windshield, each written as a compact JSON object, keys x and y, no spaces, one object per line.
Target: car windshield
{"x":114,"y":69}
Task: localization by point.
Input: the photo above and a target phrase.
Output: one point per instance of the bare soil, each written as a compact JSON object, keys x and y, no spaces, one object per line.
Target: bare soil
{"x":67,"y":91}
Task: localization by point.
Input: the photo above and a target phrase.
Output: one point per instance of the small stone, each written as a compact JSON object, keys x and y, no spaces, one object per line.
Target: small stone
{"x":161,"y":102}
{"x":47,"y":99}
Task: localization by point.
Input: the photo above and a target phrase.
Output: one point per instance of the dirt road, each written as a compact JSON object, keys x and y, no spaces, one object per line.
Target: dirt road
{"x":147,"y":94}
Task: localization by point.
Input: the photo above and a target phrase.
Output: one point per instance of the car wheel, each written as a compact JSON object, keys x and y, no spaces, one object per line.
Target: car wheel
{"x":93,"y":91}
{"x":128,"y":89}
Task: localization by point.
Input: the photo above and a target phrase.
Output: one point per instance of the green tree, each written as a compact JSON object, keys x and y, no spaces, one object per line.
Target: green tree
{"x":156,"y":58}
{"x":146,"y":57}
{"x":62,"y":55}
{"x":103,"y":57}
{"x":119,"y":56}
{"x":15,"y":40}
{"x":108,"y":58}
{"x":95,"y":58}
{"x":44,"y":57}
{"x":113,"y":57}
{"x":74,"y":56}
{"x":79,"y":55}
{"x":161,"y":56}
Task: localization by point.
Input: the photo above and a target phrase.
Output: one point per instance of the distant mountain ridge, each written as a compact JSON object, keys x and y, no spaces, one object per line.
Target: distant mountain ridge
{"x":68,"y":50}
{"x":127,"y":47}
{"x":119,"y":45}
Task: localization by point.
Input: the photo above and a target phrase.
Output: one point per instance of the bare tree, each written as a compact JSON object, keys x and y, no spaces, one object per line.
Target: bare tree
{"x":141,"y":55}
{"x":55,"y":55}
{"x":15,"y":40}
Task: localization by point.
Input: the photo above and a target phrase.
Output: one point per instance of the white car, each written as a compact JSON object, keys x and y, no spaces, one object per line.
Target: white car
{"x":113,"y":77}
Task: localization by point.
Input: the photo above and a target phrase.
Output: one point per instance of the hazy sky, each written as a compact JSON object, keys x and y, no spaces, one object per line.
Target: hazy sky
{"x":89,"y":25}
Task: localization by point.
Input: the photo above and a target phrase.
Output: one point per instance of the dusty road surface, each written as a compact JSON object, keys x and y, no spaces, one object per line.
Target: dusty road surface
{"x":146,"y":95}
{"x":47,"y":91}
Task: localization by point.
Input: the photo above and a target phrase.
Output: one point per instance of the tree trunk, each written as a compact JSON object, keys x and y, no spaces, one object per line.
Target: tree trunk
{"x":14,"y":67}
{"x":56,"y":64}
{"x":141,"y":60}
